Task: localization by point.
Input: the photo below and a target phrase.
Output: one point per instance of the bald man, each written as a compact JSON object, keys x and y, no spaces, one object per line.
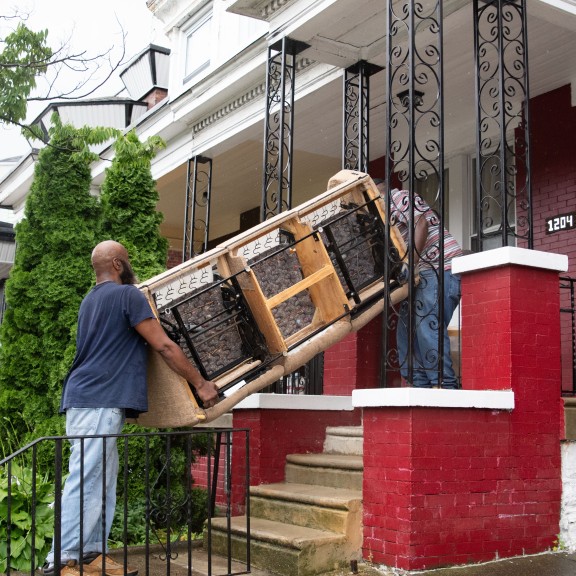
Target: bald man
{"x":106,"y":384}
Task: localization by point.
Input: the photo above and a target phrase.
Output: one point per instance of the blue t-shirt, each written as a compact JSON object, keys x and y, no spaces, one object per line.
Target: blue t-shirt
{"x":109,"y":369}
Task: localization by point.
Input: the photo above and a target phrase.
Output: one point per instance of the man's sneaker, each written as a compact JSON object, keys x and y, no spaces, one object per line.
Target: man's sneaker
{"x":71,"y":568}
{"x":48,"y":569}
{"x":96,"y":561}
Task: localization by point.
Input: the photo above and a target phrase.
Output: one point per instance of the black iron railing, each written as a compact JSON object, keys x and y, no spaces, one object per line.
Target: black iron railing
{"x":568,"y":335}
{"x":163,"y":510}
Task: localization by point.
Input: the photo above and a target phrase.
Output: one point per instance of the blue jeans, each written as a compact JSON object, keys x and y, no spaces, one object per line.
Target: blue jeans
{"x":425,"y":346}
{"x":85,"y":422}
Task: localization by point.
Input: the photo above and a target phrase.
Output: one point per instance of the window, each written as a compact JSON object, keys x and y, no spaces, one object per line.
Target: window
{"x":198,"y":47}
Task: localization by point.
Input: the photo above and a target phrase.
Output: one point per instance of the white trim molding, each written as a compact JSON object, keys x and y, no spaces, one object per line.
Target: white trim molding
{"x":510,"y":255}
{"x":433,"y":398}
{"x":295,"y":402}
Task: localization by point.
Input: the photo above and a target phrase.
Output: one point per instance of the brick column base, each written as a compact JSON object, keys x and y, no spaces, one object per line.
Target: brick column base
{"x":465,"y":476}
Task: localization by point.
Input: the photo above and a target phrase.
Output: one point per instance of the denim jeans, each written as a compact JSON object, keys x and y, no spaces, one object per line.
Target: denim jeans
{"x":425,"y":346}
{"x":84,"y":422}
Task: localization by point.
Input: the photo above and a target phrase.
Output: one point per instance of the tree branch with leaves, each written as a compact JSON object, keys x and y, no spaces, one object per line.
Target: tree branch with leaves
{"x":26,"y":58}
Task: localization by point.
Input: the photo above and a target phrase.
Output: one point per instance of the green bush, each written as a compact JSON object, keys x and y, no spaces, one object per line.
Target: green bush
{"x":185,"y":504}
{"x":180,"y":522}
{"x":50,"y":276}
{"x":129,"y":199}
{"x":22,"y":508}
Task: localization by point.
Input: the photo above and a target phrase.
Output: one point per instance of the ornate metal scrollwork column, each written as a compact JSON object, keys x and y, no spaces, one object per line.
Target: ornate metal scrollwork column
{"x":503,"y":185}
{"x":279,"y":126}
{"x":414,"y":160}
{"x":197,"y":210}
{"x":355,"y":153}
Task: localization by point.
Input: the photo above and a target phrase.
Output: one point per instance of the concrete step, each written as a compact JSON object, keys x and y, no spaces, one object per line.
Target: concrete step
{"x":309,"y":524}
{"x":334,"y":470}
{"x":320,"y":507}
{"x":282,"y":548}
{"x":344,"y":440}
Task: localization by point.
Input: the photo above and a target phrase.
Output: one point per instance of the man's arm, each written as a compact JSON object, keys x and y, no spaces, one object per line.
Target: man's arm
{"x":420,"y":236}
{"x":172,"y":354}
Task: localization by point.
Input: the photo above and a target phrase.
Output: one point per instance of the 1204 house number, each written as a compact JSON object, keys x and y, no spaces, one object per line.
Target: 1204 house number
{"x":561,"y":222}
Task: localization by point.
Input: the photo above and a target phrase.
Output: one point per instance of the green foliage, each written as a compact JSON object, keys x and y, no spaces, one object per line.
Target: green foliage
{"x":22,"y":507}
{"x":187,"y":504}
{"x":25,"y":56}
{"x":51,"y":275}
{"x":129,"y":198}
{"x":135,"y":534}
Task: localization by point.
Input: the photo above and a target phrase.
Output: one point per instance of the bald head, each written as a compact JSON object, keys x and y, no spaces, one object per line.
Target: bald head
{"x":111,"y":262}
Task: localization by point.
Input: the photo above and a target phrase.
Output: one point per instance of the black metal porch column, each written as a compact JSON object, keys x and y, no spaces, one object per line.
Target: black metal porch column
{"x":414,"y":157}
{"x":356,"y":124}
{"x":279,"y":126}
{"x":197,"y":209}
{"x":503,"y":184}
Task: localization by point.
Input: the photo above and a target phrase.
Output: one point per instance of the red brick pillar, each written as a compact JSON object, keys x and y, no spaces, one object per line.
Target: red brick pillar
{"x":510,"y":320}
{"x":354,"y":362}
{"x":464,"y":476}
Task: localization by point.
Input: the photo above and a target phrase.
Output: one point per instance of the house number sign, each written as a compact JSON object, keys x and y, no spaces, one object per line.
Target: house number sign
{"x":561,"y":222}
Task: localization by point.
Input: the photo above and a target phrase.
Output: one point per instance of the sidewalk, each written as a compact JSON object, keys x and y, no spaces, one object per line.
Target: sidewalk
{"x":549,"y":564}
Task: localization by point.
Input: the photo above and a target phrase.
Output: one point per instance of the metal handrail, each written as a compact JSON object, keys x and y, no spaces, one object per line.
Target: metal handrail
{"x":167,"y":495}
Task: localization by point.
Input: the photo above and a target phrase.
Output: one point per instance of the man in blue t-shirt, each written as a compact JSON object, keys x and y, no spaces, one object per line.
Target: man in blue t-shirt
{"x":106,"y":384}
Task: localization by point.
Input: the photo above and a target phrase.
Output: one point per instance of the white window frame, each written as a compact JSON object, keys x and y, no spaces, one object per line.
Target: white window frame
{"x":188,"y":33}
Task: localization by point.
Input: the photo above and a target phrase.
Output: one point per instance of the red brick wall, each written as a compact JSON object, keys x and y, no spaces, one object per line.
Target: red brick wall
{"x":493,"y":327}
{"x":553,"y":150}
{"x":458,"y":486}
{"x":340,"y":374}
{"x":174,"y":258}
{"x":238,"y":484}
{"x":157,"y":95}
{"x":200,"y":475}
{"x":354,"y":362}
{"x":368,"y":358}
{"x":511,"y":337}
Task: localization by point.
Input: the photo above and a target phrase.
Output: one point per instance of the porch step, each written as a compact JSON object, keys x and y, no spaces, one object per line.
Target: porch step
{"x":281,"y":548}
{"x":318,"y":507}
{"x":309,"y":524}
{"x":344,"y":440}
{"x":335,"y":470}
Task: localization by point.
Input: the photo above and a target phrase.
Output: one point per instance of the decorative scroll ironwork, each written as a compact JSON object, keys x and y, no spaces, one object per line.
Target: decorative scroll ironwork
{"x":415,"y":162}
{"x":503,"y":186}
{"x":355,"y":153}
{"x":279,"y":126}
{"x":197,"y":210}
{"x":170,"y":503}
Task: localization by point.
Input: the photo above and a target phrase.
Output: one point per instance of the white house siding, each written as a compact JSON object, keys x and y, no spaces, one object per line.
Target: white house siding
{"x":568,"y":511}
